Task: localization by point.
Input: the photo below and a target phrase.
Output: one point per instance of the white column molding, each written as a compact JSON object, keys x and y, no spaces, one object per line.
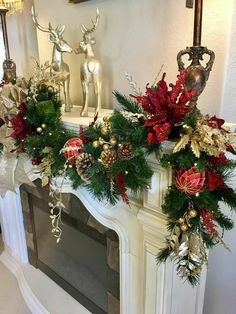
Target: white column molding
{"x":12,"y":224}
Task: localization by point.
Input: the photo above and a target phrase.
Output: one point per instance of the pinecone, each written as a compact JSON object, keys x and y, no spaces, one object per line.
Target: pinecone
{"x":125,"y":151}
{"x":83,"y":162}
{"x":108,"y":157}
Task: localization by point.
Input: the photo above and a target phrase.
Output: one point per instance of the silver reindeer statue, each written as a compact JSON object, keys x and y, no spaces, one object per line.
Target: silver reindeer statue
{"x":60,"y":47}
{"x":91,"y":69}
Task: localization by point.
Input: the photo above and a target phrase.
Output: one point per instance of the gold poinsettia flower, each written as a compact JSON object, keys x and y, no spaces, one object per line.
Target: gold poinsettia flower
{"x":204,"y":137}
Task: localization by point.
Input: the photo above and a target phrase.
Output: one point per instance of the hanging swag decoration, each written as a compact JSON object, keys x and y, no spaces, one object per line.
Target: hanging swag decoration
{"x":109,"y":157}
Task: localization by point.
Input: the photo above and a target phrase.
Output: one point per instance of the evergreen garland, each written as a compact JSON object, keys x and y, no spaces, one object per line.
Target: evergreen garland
{"x":109,"y":157}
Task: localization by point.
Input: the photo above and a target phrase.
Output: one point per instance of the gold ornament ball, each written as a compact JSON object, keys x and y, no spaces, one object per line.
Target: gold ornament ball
{"x":39,"y":129}
{"x":192,"y":213}
{"x":96,"y":144}
{"x":101,"y":140}
{"x":184,"y":227}
{"x":113,"y":141}
{"x":44,"y":126}
{"x":181,"y":220}
{"x":104,"y":130}
{"x":106,"y":146}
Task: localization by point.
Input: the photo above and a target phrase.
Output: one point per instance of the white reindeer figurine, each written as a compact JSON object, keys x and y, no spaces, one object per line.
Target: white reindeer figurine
{"x":91,"y":69}
{"x":58,"y":65}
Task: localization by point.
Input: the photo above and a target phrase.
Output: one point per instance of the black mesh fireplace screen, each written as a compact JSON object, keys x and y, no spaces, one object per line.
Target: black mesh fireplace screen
{"x":85,"y":262}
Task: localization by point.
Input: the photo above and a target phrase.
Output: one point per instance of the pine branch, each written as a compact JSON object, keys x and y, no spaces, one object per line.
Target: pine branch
{"x":127,"y":103}
{"x":163,"y":255}
{"x":175,"y":209}
{"x":224,"y":221}
{"x":194,"y":280}
{"x":228,"y":196}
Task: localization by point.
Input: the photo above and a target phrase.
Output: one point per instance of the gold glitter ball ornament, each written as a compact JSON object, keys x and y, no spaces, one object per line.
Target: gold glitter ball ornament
{"x":96,"y":144}
{"x":192,"y":213}
{"x":113,"y":141}
{"x":104,"y":130}
{"x":184,"y":227}
{"x":108,"y":157}
{"x":101,"y":141}
{"x":181,"y":220}
{"x":106,"y":146}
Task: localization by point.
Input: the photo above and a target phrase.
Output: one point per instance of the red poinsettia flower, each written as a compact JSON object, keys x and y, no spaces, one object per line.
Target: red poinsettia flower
{"x":219,"y":160}
{"x":215,"y":122}
{"x":166,"y":107}
{"x":209,"y":222}
{"x":190,"y":181}
{"x":162,"y":131}
{"x":19,"y":125}
{"x":214,"y":180}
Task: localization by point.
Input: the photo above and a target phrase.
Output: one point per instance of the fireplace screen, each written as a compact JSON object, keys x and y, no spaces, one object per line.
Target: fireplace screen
{"x":85,"y":262}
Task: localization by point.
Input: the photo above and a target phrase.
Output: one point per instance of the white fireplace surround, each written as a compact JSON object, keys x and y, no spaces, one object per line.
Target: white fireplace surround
{"x":144,"y":287}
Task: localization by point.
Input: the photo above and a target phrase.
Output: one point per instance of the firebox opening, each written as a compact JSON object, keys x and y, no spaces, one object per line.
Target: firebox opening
{"x":85,"y":262}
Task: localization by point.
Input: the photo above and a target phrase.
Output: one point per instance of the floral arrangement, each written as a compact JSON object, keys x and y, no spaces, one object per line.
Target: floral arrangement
{"x":109,"y":157}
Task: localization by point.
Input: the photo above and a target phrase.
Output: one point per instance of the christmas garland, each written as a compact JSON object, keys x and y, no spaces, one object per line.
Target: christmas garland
{"x":109,"y":157}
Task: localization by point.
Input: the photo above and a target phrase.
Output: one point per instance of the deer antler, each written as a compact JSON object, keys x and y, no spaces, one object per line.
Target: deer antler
{"x":43,"y":29}
{"x":86,"y":31}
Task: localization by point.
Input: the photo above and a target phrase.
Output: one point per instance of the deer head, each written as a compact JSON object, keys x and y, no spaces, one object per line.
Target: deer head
{"x":55,"y":34}
{"x":87,"y":34}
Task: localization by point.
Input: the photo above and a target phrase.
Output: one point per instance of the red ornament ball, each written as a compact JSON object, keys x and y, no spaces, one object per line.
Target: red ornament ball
{"x":72,"y":148}
{"x":190,"y":181}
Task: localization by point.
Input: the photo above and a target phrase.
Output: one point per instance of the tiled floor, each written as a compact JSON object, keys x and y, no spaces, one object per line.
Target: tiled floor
{"x":11,"y":301}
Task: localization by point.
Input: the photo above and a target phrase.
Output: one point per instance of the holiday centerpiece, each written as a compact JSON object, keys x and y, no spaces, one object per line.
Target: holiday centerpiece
{"x":109,"y":157}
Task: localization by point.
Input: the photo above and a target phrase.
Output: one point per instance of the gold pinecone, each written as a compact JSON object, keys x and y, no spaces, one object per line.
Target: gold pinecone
{"x":108,"y":157}
{"x":125,"y":151}
{"x":83,"y":162}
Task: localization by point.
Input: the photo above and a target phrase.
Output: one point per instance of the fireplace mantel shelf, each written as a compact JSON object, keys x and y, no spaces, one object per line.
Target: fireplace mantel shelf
{"x":144,"y":287}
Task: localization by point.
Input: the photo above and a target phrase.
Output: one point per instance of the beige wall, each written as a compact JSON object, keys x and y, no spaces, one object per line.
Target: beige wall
{"x":139,"y":36}
{"x":228,"y":107}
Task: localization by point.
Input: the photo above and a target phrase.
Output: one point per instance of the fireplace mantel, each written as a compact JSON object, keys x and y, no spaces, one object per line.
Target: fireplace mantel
{"x":144,"y":287}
